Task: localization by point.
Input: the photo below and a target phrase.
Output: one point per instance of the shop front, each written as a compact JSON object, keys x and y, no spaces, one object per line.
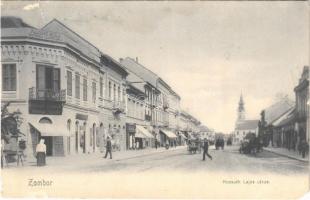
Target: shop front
{"x":53,"y":134}
{"x":168,"y":137}
{"x":130,"y":136}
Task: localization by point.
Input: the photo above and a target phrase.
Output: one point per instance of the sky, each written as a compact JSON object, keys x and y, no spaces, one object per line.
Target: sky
{"x":208,"y":52}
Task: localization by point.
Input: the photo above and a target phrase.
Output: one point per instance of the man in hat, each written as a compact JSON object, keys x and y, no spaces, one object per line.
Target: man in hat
{"x":205,"y":150}
{"x":108,"y":148}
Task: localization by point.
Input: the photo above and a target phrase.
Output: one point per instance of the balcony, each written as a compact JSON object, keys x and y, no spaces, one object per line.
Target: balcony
{"x":148,"y":117}
{"x":47,"y":94}
{"x":118,"y":107}
{"x":46,"y":101}
{"x":165,"y":104}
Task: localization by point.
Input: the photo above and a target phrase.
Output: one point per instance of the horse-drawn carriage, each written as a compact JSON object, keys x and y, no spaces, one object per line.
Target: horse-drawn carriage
{"x":194,"y":145}
{"x":251,"y":145}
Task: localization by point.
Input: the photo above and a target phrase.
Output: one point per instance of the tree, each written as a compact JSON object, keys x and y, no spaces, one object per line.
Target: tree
{"x":10,"y":123}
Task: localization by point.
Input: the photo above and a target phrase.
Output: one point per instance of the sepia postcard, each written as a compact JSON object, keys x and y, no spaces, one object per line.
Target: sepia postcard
{"x":155,"y":99}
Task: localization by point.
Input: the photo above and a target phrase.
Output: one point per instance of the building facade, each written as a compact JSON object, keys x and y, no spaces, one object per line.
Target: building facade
{"x":302,"y":97}
{"x":68,"y":92}
{"x":243,"y":126}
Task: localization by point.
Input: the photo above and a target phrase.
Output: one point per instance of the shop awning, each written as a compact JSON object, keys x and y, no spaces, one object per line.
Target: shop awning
{"x":144,"y":131}
{"x":50,"y":129}
{"x":169,"y":134}
{"x":139,"y":134}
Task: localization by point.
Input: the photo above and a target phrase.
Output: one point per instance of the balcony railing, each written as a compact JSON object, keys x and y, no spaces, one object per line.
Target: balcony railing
{"x":148,"y":117}
{"x":47,"y":94}
{"x":118,"y":107}
{"x":165,"y":104}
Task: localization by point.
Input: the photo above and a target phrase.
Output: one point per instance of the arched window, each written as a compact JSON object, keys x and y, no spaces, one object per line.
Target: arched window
{"x":45,"y":120}
{"x":69,"y":124}
{"x":92,"y":135}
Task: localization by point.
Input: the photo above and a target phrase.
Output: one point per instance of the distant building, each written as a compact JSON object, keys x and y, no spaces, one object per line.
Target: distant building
{"x":271,"y":118}
{"x":243,"y":126}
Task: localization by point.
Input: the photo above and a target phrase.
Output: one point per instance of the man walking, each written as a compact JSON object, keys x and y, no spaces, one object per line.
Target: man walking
{"x":108,"y":148}
{"x":205,"y":150}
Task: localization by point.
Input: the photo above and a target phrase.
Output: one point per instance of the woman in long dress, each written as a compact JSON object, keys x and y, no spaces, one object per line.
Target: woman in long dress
{"x":41,"y":153}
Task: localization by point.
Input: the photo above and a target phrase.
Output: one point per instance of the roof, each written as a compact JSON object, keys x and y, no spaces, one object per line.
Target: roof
{"x":113,"y":64}
{"x":286,"y":118}
{"x":276,"y":110}
{"x":136,"y":81}
{"x":74,"y":39}
{"x":247,"y":125}
{"x":135,"y":67}
{"x":13,"y":22}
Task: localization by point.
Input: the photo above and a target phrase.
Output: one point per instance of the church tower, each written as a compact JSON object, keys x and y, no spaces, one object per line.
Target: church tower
{"x":241,"y":110}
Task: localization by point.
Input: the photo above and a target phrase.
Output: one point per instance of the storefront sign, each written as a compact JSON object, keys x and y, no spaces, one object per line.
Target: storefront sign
{"x":81,"y":116}
{"x":131,"y":128}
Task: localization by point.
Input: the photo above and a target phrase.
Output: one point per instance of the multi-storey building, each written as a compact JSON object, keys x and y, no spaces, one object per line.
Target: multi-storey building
{"x":138,"y":129}
{"x":302,"y":97}
{"x":68,"y":92}
{"x":157,"y":99}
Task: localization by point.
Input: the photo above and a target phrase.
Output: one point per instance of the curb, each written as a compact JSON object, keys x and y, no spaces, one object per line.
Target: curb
{"x":288,"y":156}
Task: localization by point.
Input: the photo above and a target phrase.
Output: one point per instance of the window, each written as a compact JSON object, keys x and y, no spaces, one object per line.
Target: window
{"x":101,"y":86}
{"x":9,"y":77}
{"x":69,"y":83}
{"x":69,"y":124}
{"x":77,"y":86}
{"x":110,"y":90}
{"x":84,"y":89}
{"x":119,"y":93}
{"x":114,"y":92}
{"x":94,"y":92}
{"x":48,"y":78}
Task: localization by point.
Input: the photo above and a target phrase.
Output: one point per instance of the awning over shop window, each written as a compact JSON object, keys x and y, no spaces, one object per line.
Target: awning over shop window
{"x":50,"y":129}
{"x":144,"y":131}
{"x":169,"y":134}
{"x":139,"y":134}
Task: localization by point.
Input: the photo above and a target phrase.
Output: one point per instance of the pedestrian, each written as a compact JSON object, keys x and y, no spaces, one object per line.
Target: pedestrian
{"x":205,"y":150}
{"x":108,"y":148}
{"x":156,"y":143}
{"x":304,"y":148}
{"x":41,"y":153}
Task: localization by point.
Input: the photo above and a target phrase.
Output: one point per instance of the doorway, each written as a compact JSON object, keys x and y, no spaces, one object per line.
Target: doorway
{"x":94,"y":137}
{"x":48,"y":141}
{"x":77,"y":137}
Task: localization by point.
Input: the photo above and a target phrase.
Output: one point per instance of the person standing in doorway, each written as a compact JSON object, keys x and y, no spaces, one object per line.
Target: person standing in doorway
{"x":156,"y":143}
{"x":108,"y":148}
{"x":41,"y":153}
{"x":205,"y":150}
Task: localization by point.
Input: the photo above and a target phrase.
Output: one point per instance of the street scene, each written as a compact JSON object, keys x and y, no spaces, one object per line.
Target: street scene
{"x":143,"y":88}
{"x":175,"y":159}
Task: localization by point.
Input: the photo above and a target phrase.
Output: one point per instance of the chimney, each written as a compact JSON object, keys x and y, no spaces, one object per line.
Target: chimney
{"x":137,"y":59}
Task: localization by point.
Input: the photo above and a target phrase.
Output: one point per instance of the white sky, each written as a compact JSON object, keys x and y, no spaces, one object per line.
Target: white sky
{"x":207,"y":51}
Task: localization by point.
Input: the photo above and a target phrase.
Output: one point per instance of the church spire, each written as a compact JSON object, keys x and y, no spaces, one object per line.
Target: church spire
{"x":241,"y":109}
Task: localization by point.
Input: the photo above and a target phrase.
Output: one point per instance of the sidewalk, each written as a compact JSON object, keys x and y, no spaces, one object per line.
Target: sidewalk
{"x":285,"y":152}
{"x":95,"y":158}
